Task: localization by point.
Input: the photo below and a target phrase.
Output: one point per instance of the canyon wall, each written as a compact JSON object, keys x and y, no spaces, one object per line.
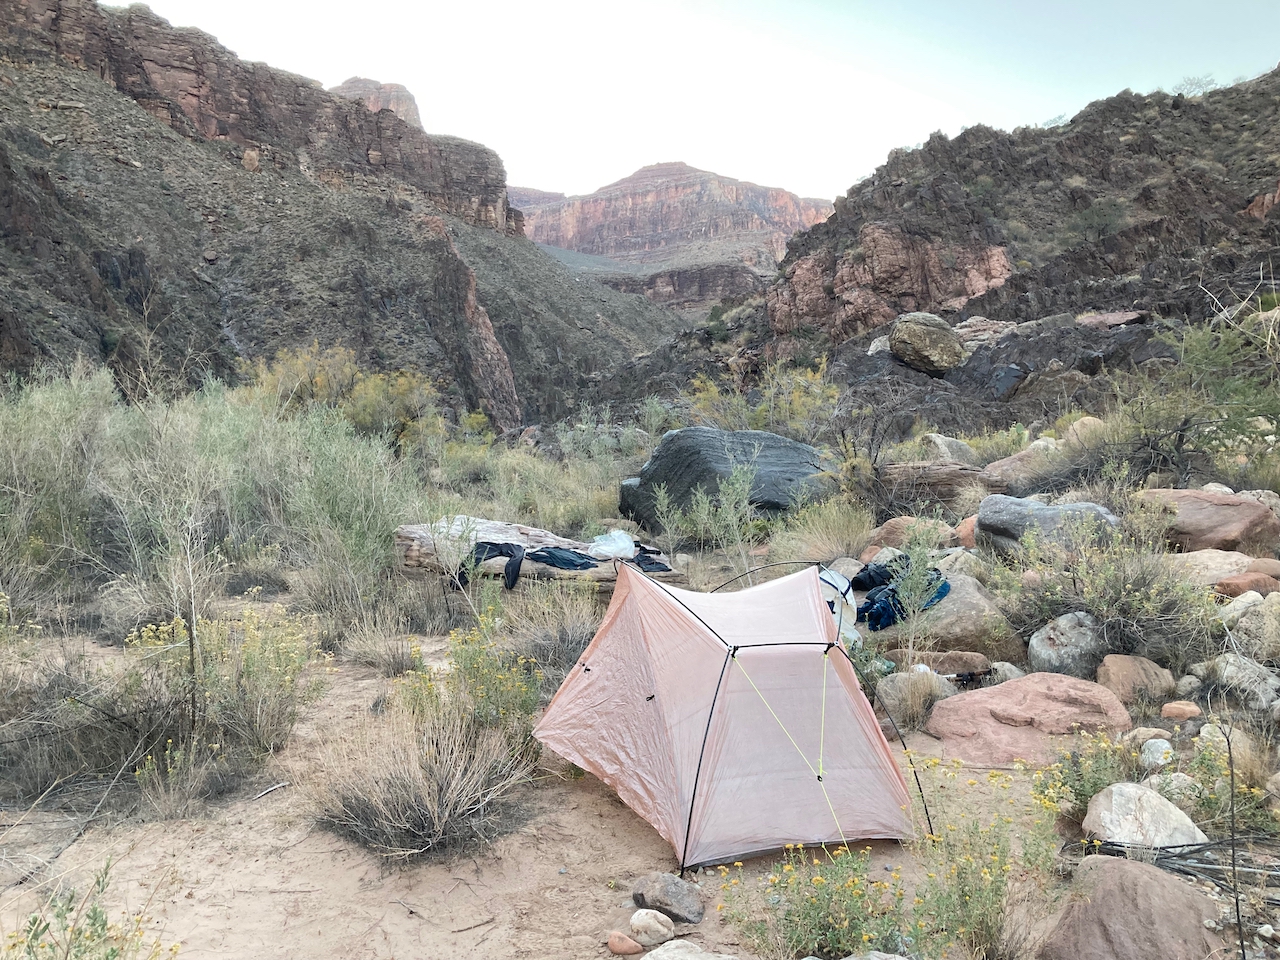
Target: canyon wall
{"x":381,"y":96}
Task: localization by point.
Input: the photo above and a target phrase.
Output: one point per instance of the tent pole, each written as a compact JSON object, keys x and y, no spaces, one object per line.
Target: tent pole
{"x":901,"y":739}
{"x":693,"y":798}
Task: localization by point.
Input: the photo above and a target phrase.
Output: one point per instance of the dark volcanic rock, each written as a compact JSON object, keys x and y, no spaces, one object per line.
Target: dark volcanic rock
{"x":786,"y":472}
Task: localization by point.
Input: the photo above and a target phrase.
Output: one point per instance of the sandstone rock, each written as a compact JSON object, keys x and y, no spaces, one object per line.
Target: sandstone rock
{"x":1002,"y":671}
{"x":251,"y":160}
{"x":941,"y":480}
{"x":926,"y":342}
{"x":1027,"y":471}
{"x":382,"y":96}
{"x":1265,"y":565}
{"x":898,"y":531}
{"x":1217,"y":521}
{"x":908,"y":696}
{"x":965,"y":563}
{"x":1239,"y":583}
{"x":967,"y":618}
{"x":1083,"y":434}
{"x":1133,"y":814}
{"x":1003,"y":521}
{"x":1180,"y":710}
{"x":1178,"y":788}
{"x":1135,"y":738}
{"x":1132,"y":677}
{"x":1255,"y":685}
{"x":1218,"y":488}
{"x":1019,"y":719}
{"x":1126,"y":910}
{"x":1207,"y":567}
{"x":1268,"y":498}
{"x":650,"y":928}
{"x":979,"y":331}
{"x":620,"y":945}
{"x":949,"y":448}
{"x":685,"y":950}
{"x":1257,"y":627}
{"x":786,"y":472}
{"x":965,"y":532}
{"x":1188,"y":686}
{"x":1072,"y":644}
{"x":950,"y":662}
{"x":668,"y":894}
{"x":1156,"y":753}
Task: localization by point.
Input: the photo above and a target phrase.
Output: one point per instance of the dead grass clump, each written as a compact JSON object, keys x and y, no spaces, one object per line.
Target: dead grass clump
{"x":824,"y":532}
{"x":411,"y":783}
{"x":387,"y":646}
{"x":551,"y":623}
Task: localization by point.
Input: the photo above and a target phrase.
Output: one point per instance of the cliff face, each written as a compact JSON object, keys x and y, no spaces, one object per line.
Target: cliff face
{"x":170,"y":210}
{"x":681,"y":236}
{"x":381,"y":96}
{"x":1128,"y":206}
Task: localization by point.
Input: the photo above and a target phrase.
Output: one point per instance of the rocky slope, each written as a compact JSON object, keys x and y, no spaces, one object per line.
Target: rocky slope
{"x":1127,"y":206}
{"x":381,"y":96}
{"x":679,"y":235}
{"x":166,"y":205}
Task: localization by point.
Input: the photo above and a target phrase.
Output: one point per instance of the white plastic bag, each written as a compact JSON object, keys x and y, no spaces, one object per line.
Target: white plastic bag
{"x":614,"y":545}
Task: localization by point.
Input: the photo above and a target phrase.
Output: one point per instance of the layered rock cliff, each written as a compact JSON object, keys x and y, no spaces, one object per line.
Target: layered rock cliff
{"x":170,"y":209}
{"x":381,"y":96}
{"x":683,"y":236}
{"x":1129,"y":205}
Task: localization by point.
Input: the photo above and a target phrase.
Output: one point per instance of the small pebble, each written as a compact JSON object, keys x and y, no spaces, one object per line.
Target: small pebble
{"x":564,"y":869}
{"x":620,"y":945}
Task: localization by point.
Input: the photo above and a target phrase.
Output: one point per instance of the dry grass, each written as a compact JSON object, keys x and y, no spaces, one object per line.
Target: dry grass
{"x":824,"y":532}
{"x":407,"y":784}
{"x":552,"y":622}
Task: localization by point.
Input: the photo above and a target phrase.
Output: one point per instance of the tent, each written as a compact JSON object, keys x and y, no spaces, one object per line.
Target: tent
{"x":732,"y":722}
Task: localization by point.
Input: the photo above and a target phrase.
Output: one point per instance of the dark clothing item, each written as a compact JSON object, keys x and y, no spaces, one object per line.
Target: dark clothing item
{"x":648,"y":564}
{"x":883,"y":607}
{"x":562,"y":559}
{"x":485,"y":550}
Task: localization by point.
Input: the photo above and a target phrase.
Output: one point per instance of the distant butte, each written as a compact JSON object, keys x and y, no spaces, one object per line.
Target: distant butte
{"x":381,"y":96}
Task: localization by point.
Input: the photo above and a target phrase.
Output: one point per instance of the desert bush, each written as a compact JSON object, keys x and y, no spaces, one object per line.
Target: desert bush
{"x":997,"y":444}
{"x":793,"y":401}
{"x":551,"y":622}
{"x":385,"y":645}
{"x":1093,"y":762}
{"x":819,"y":904}
{"x":70,"y":925}
{"x":724,"y":521}
{"x":839,"y":527}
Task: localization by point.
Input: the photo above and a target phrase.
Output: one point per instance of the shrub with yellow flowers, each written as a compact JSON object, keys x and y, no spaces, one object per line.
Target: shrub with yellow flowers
{"x":817,"y":902}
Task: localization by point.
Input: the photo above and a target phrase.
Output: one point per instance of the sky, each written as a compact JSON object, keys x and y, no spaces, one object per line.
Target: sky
{"x":809,"y":95}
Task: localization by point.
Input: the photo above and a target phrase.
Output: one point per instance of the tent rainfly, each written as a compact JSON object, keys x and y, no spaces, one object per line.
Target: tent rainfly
{"x":732,"y":722}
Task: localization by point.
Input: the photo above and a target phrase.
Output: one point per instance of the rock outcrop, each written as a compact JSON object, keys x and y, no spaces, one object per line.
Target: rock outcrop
{"x":381,"y":96}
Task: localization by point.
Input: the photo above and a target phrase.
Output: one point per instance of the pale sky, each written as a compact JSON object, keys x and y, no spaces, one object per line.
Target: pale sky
{"x":808,"y":95}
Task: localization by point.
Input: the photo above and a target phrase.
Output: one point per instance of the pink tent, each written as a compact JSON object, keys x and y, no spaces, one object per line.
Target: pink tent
{"x":732,"y":722}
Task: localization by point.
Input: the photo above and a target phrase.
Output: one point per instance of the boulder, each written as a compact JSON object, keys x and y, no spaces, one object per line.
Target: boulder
{"x":926,"y":342}
{"x":786,"y":472}
{"x":1207,"y":567}
{"x":967,"y":618}
{"x":685,"y":950}
{"x":965,"y":532}
{"x":1156,"y":754}
{"x":1028,"y":471}
{"x":1204,"y":520}
{"x":1133,"y":814}
{"x":964,"y":562}
{"x":980,"y":331}
{"x":847,"y":567}
{"x":1132,"y":677}
{"x":668,"y":894}
{"x":1002,"y":671}
{"x":948,"y":448}
{"x":898,"y":531}
{"x":1022,"y":718}
{"x":1218,"y":488}
{"x":1126,"y":910}
{"x":1257,"y":628}
{"x":1135,"y":738}
{"x":1178,"y":788}
{"x":1180,"y":711}
{"x":1265,"y":565}
{"x":650,"y":928}
{"x":1083,"y":434}
{"x":1003,"y":521}
{"x":1255,"y":685}
{"x":878,"y":345}
{"x":1188,"y":686}
{"x":1268,"y":498}
{"x":950,"y":662}
{"x":1072,"y":644}
{"x":1239,"y":583}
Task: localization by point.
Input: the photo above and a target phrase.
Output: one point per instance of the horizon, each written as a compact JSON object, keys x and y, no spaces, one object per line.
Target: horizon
{"x":573,"y":129}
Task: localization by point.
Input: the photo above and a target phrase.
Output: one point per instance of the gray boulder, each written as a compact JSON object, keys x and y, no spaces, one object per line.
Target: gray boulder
{"x":942,"y":447}
{"x":927,"y":343}
{"x":669,"y":895}
{"x":1003,"y":521}
{"x":1256,"y":686}
{"x":1134,"y":814}
{"x":1072,"y":644}
{"x":786,"y":472}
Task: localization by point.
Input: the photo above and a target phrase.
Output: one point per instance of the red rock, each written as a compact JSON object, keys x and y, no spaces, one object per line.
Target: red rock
{"x":1031,"y":579}
{"x":1022,"y":719}
{"x":898,"y":531}
{"x":869,"y":554}
{"x":382,"y":96}
{"x":1207,"y":567}
{"x":620,"y":945}
{"x":965,"y":532}
{"x":1206,"y":520}
{"x":1132,"y":677}
{"x":1239,"y":583}
{"x":1265,"y":565}
{"x":1104,"y":321}
{"x":1180,"y":710}
{"x":1125,"y":910}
